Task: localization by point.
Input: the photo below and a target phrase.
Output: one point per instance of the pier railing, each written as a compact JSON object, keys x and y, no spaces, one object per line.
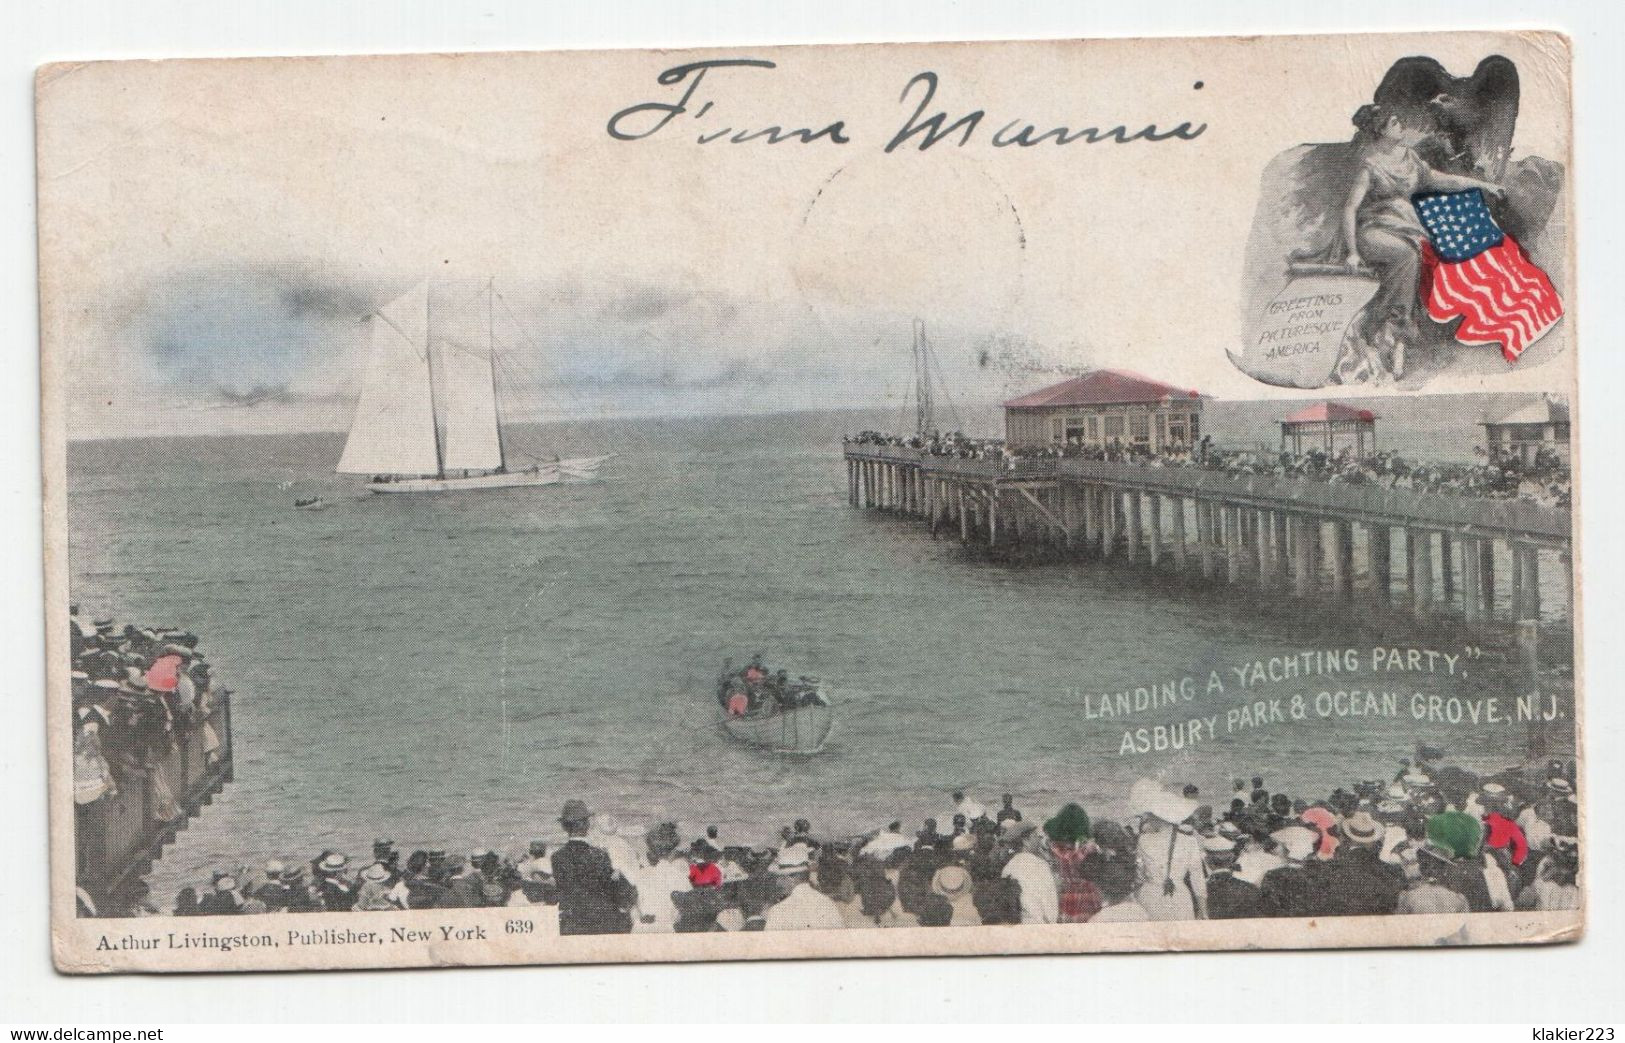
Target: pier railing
{"x":1364,"y":502}
{"x":956,"y":466}
{"x":120,"y":836}
{"x":1527,"y":520}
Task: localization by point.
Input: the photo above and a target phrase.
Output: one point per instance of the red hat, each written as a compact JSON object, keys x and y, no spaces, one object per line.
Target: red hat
{"x":1323,"y":820}
{"x":705,"y":874}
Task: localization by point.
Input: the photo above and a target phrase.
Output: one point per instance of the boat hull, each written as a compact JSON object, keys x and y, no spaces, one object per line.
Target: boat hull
{"x":580,"y":468}
{"x":803,"y":729}
{"x":550,"y":474}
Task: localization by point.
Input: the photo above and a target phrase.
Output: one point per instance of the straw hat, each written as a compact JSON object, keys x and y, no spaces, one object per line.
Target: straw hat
{"x":1218,"y":845}
{"x":376,"y":873}
{"x":1146,"y":797}
{"x":1361,"y":828}
{"x":951,"y":882}
{"x":1299,"y":841}
{"x":332,"y":862}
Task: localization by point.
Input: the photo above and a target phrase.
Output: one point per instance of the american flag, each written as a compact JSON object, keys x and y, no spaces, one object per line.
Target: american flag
{"x":1474,"y":271}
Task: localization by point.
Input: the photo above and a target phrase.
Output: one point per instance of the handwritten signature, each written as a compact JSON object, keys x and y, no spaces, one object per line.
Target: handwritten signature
{"x":920,"y":130}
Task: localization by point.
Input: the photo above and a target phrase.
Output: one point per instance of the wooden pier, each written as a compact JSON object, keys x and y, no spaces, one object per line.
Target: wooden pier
{"x":1428,"y":555}
{"x":119,"y":837}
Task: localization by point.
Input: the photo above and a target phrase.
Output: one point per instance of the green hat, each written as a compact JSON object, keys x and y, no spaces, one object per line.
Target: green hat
{"x":1069,"y":826}
{"x":1456,"y":832}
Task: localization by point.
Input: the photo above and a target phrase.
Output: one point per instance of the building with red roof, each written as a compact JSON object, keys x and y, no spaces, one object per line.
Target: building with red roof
{"x":1104,"y":407}
{"x":1329,"y":425}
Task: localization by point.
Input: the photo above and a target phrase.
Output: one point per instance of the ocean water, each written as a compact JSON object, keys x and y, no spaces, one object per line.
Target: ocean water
{"x":448,"y":670}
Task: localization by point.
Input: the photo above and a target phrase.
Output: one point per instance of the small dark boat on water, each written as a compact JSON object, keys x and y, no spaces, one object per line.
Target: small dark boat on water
{"x":774,"y":711}
{"x":310,"y":503}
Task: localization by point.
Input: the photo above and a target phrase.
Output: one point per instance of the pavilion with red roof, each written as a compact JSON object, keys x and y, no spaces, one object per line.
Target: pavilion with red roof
{"x":1104,"y":407}
{"x":1326,"y":425}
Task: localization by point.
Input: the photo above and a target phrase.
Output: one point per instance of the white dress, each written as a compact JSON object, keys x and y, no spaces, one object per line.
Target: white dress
{"x":1040,"y":900}
{"x":1183,"y":865}
{"x":655,"y":885}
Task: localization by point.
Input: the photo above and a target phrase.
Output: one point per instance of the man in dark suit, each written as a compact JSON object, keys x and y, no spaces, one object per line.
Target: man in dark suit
{"x":223,"y":900}
{"x":593,"y":897}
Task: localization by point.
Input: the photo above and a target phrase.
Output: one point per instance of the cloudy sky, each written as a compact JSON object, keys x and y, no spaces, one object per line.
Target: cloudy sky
{"x":213,"y":233}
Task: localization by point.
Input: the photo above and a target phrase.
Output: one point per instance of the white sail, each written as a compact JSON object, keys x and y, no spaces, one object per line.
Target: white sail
{"x":394,"y":427}
{"x":473,"y":440}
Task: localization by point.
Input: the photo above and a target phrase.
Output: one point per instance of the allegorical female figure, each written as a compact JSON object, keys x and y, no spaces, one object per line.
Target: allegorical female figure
{"x":1380,"y":232}
{"x":1336,"y":220}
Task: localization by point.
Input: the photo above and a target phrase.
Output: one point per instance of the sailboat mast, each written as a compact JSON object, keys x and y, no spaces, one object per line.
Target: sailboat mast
{"x":923,"y":420}
{"x":491,"y":353}
{"x":428,"y":360}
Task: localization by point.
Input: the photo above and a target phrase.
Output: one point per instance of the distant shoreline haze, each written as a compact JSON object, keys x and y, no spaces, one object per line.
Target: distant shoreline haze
{"x":1434,"y":427}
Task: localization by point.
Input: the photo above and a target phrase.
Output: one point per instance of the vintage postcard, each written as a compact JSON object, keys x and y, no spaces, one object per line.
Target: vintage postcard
{"x":811,"y":501}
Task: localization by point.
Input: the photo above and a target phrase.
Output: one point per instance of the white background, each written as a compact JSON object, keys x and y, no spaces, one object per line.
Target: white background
{"x":1572,"y":984}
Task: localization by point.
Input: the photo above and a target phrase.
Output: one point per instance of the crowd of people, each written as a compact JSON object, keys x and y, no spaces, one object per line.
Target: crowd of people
{"x":755,"y":689}
{"x":1543,"y":479}
{"x":954,"y":444}
{"x":136,"y":692}
{"x":1435,"y":839}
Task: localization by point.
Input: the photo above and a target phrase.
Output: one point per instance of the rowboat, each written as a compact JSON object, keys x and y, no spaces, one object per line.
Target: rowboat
{"x":799,"y":723}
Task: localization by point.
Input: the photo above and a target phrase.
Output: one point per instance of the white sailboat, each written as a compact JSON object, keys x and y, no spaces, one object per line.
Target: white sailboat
{"x":396,"y":436}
